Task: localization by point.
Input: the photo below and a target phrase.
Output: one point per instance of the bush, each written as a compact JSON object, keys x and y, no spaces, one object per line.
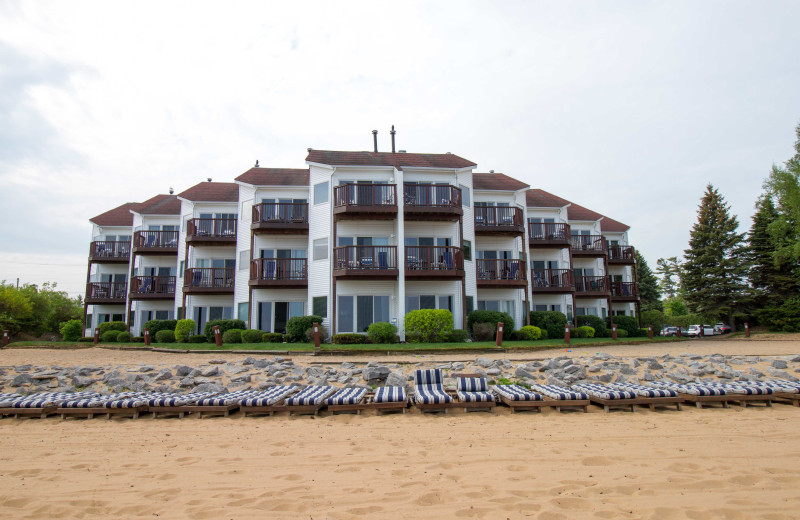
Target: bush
{"x":458,"y":336}
{"x":323,"y":334}
{"x":196,"y":338}
{"x":183,"y":329}
{"x":124,"y":337}
{"x":382,"y":332}
{"x":622,"y":333}
{"x":654,"y":318}
{"x":544,"y":334}
{"x":252,"y":336}
{"x":684,"y":321}
{"x":529,"y":333}
{"x":232,"y":336}
{"x":629,"y":323}
{"x":297,"y":326}
{"x":272,"y":337}
{"x":165,"y":336}
{"x":156,"y":325}
{"x":109,"y":336}
{"x":595,"y":322}
{"x":348,"y":339}
{"x":492,"y":317}
{"x":71,"y":330}
{"x":553,"y":322}
{"x":483,"y":331}
{"x":112,"y":325}
{"x":224,"y":325}
{"x":582,"y":332}
{"x":785,"y":318}
{"x":86,"y":339}
{"x":137,"y":339}
{"x":428,"y":325}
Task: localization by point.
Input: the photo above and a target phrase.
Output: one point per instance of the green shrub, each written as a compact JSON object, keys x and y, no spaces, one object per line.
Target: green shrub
{"x":529,"y":333}
{"x":252,"y":336}
{"x":582,"y":332}
{"x":165,"y":336}
{"x":622,"y":333}
{"x":553,"y":322}
{"x":224,"y":325}
{"x":272,"y":337}
{"x":428,"y":325}
{"x":595,"y":322}
{"x":783,"y":318}
{"x":348,"y":339}
{"x":544,"y":334}
{"x":483,"y":331}
{"x":109,"y":336}
{"x":382,"y":332}
{"x":629,"y":323}
{"x":232,"y":336}
{"x":196,"y":338}
{"x":124,"y":337}
{"x":112,"y":325}
{"x":137,"y":339}
{"x":86,"y":339}
{"x":684,"y":321}
{"x":71,"y":330}
{"x":492,"y":317}
{"x":297,"y":326}
{"x":458,"y":336}
{"x":323,"y":334}
{"x":156,"y":325}
{"x":183,"y":329}
{"x":654,"y":318}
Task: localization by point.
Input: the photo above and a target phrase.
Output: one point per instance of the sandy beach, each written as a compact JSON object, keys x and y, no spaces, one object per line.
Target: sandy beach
{"x":709,"y":463}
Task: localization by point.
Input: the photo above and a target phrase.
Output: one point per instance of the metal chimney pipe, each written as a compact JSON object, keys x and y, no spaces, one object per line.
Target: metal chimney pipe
{"x":392,"y":132}
{"x":375,"y":139}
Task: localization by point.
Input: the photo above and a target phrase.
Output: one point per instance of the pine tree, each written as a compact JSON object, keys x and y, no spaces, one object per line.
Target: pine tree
{"x":649,"y":293}
{"x":714,"y":267}
{"x":783,"y":185}
{"x":670,"y":270}
{"x":773,"y":276}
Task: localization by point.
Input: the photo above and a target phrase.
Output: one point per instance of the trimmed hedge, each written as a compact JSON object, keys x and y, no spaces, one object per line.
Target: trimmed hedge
{"x":196,"y":338}
{"x":458,"y":336}
{"x":252,"y":336}
{"x":112,"y":325}
{"x":492,"y":317}
{"x":595,"y":322}
{"x":382,"y":332}
{"x":529,"y":333}
{"x":156,"y":325}
{"x":654,"y":318}
{"x":110,"y":336}
{"x":224,"y":325}
{"x":582,"y":332}
{"x":483,"y":331}
{"x":137,"y":339}
{"x":553,"y":322}
{"x":165,"y":336}
{"x":124,"y":337}
{"x":232,"y":336}
{"x":297,"y":326}
{"x":71,"y":330}
{"x":348,"y":339}
{"x":428,"y":325}
{"x":184,"y":329}
{"x":86,"y":339}
{"x":628,"y":323}
{"x":622,"y":333}
{"x":544,"y":334}
{"x":272,"y":337}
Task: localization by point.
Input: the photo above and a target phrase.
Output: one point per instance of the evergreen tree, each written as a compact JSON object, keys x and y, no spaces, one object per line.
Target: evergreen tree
{"x":772,"y":276}
{"x":649,"y":293}
{"x":669,"y":269}
{"x":714,"y":270}
{"x":783,"y":185}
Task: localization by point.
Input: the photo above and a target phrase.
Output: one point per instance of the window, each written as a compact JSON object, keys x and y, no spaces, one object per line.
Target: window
{"x":244,"y":259}
{"x":243,"y":311}
{"x":367,"y":310}
{"x":321,"y":248}
{"x":569,"y":313}
{"x":345,"y":314}
{"x":467,"y":246}
{"x":425,"y":301}
{"x":319,"y":304}
{"x":446,"y":302}
{"x":470,"y":304}
{"x":497,"y":305}
{"x":163,"y":315}
{"x":321,"y":193}
{"x":180,"y":271}
{"x":465,"y":199}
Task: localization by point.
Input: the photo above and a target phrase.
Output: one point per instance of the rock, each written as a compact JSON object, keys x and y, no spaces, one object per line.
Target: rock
{"x":597,"y":367}
{"x":494,"y":372}
{"x":781,"y":374}
{"x":210,"y":372}
{"x":117,"y":382}
{"x":795,"y":359}
{"x":648,"y":376}
{"x":780,"y":364}
{"x":80,"y":381}
{"x":654,"y":365}
{"x":552,"y":380}
{"x":210,"y":387}
{"x":458,"y":366}
{"x":444,"y":366}
{"x":163,"y":375}
{"x":217,"y":362}
{"x":249,"y":360}
{"x":261,"y":363}
{"x":484,"y":362}
{"x":396,"y":379}
{"x":346,"y":365}
{"x":183,"y":370}
{"x":83,"y":371}
{"x":375,"y":372}
{"x":23,"y":368}
{"x":21,"y":379}
{"x":246,"y":378}
{"x":146,"y":368}
{"x":605,"y":377}
{"x":235,"y":369}
{"x":521,"y":373}
{"x":186,"y":382}
{"x":627,"y":370}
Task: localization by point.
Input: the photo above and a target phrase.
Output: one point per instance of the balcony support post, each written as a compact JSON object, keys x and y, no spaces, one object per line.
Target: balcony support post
{"x":86,"y":305}
{"x":401,"y":262}
{"x":250,"y":289}
{"x":463,"y":278}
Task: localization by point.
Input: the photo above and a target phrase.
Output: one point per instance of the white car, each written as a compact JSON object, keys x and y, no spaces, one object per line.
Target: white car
{"x":694,"y":331}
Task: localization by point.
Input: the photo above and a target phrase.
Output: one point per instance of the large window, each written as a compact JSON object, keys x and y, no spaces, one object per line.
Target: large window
{"x":467,"y":246}
{"x":428,"y":301}
{"x":465,"y":198}
{"x":357,"y":313}
{"x":321,"y":248}
{"x":272,"y":316}
{"x":497,"y":305}
{"x":321,"y":193}
{"x":320,"y":306}
{"x":243,"y":311}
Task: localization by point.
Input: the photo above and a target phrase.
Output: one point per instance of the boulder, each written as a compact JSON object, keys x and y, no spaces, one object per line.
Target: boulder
{"x":261,"y":363}
{"x":146,"y":368}
{"x":186,"y":382}
{"x":163,"y":375}
{"x":80,"y":381}
{"x":484,"y":362}
{"x":378,"y":372}
{"x":494,"y":372}
{"x":779,"y":364}
{"x":249,"y":360}
{"x":210,"y":372}
{"x":182,"y":370}
{"x":522,"y":373}
{"x":781,"y":374}
{"x":21,"y":379}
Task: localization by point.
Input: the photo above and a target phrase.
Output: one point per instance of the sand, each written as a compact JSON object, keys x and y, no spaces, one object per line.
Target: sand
{"x":709,"y":463}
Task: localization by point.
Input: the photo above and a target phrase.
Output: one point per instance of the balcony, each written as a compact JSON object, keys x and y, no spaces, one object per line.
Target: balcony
{"x":208,"y":280}
{"x":287,"y":273}
{"x":211,"y":231}
{"x":109,"y":252}
{"x":434,"y":262}
{"x":624,"y":291}
{"x":365,"y":262}
{"x":280,"y":217}
{"x":152,"y":288}
{"x":431,"y":202}
{"x":621,"y":255}
{"x":591,"y":287}
{"x":98,"y":293}
{"x":500,"y":273}
{"x":498,"y":220}
{"x":155,"y":242}
{"x":365,"y":201}
{"x":552,"y":281}
{"x":548,"y":234}
{"x":588,"y":245}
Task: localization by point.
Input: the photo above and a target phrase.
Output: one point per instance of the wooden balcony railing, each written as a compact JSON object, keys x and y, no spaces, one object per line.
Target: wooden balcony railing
{"x":431,"y":195}
{"x":621,"y":254}
{"x":365,"y":195}
{"x":434,"y":258}
{"x":365,"y":258}
{"x":110,"y":250}
{"x":155,"y":240}
{"x":500,"y":270}
{"x":591,"y":284}
{"x":211,"y":228}
{"x":208,"y":278}
{"x":152,"y":286}
{"x":281,"y":213}
{"x":498,"y":218}
{"x":279,"y":269}
{"x":543,"y":279}
{"x":106,"y":290}
{"x":589,"y":244}
{"x":624,"y":290}
{"x":548,"y":232}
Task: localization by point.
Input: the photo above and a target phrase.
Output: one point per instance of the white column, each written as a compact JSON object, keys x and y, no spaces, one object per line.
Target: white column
{"x":401,"y":255}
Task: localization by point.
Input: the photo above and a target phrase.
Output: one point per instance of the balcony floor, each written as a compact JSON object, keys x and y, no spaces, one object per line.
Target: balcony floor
{"x":280,"y":228}
{"x":365,"y":274}
{"x":278,"y":284}
{"x":207,"y":290}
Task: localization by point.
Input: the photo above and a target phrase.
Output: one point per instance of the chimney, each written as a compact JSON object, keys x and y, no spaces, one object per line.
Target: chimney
{"x":171,"y":191}
{"x":209,"y":179}
{"x":256,"y":166}
{"x":392,"y":132}
{"x":375,"y":139}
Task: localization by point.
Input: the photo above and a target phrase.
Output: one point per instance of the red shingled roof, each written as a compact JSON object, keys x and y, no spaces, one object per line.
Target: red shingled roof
{"x":614,"y":226}
{"x":212,"y":192}
{"x":496,"y":181}
{"x":537,"y":198}
{"x":159,"y":205}
{"x":398,"y":160}
{"x":275,"y":177}
{"x":119,"y":216}
{"x":578,"y":212}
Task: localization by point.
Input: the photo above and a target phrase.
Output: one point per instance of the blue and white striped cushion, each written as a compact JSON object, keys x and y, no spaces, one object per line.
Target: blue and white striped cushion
{"x":475,"y":397}
{"x":559,"y":392}
{"x":226,"y":399}
{"x":7,"y":399}
{"x":390,"y":394}
{"x":472,"y":384}
{"x":742,"y":388}
{"x":312,"y":395}
{"x":777,"y":385}
{"x":168,"y":399}
{"x":693,"y":389}
{"x":43,"y":399}
{"x":645,"y":391}
{"x":430,"y":395}
{"x":271,"y":396}
{"x":129,"y":402}
{"x":517,"y":393}
{"x":347,"y":396}
{"x":603,"y":391}
{"x":431,"y":377}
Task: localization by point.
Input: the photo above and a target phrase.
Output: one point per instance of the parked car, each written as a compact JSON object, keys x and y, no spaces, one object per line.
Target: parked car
{"x":668,"y":331}
{"x":709,"y":330}
{"x":722,"y":328}
{"x":694,"y":331}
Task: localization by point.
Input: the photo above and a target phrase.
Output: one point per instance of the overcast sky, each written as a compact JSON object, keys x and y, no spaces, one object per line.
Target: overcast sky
{"x":628,"y":108}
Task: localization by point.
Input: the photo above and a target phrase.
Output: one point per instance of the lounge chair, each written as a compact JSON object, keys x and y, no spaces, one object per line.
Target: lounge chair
{"x":653,"y":397}
{"x":166,"y":404}
{"x":429,"y":394}
{"x":309,"y":400}
{"x":126,"y":404}
{"x":220,"y":404}
{"x":40,"y":404}
{"x":745,"y":394}
{"x":474,"y":395}
{"x":347,"y":400}
{"x":389,"y":399}
{"x":782,"y":389}
{"x":698,"y":394}
{"x":607,"y":396}
{"x":519,"y":398}
{"x":562,"y":397}
{"x":268,"y":401}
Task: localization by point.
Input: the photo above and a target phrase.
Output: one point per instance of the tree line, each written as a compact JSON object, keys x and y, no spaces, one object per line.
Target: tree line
{"x":36,"y":310}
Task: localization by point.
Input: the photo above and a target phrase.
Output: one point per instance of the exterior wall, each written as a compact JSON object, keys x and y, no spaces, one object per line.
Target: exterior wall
{"x":320,"y":218}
